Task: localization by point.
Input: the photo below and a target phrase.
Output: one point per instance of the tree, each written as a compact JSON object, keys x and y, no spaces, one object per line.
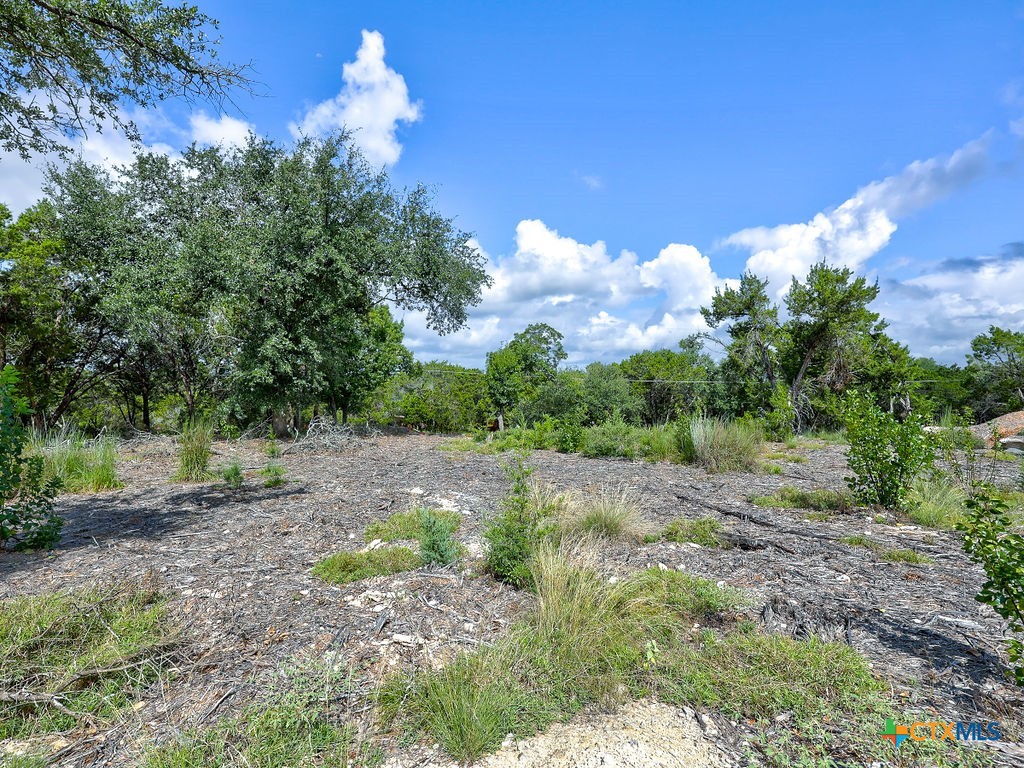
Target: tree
{"x":667,"y":382}
{"x":70,"y":65}
{"x":516,"y":370}
{"x":998,"y":359}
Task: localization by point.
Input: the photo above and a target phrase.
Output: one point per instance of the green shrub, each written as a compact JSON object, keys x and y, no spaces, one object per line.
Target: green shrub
{"x":991,"y":542}
{"x":718,"y":445}
{"x":194,"y":449}
{"x":613,"y":438}
{"x":885,"y":455}
{"x":408,"y":525}
{"x":27,"y":517}
{"x":780,"y":418}
{"x":658,"y":444}
{"x":436,"y":542}
{"x":274,"y":474}
{"x":343,"y":567}
{"x":231,"y":474}
{"x":516,"y":530}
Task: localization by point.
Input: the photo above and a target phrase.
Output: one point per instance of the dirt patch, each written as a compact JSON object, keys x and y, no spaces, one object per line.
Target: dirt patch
{"x":236,"y":567}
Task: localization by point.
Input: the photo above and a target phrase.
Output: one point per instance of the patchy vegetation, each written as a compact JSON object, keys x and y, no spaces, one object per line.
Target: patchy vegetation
{"x":885,"y":553}
{"x":704,"y":531}
{"x":194,"y":450}
{"x":343,"y":567}
{"x":79,"y":465}
{"x":820,"y":499}
{"x":409,"y":525}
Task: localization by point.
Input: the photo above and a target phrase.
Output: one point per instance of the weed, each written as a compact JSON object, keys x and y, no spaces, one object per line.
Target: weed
{"x":231,"y":474}
{"x":719,"y":446}
{"x":409,"y":525}
{"x":771,"y":469}
{"x":821,"y":499}
{"x":436,"y":542}
{"x":612,"y":438}
{"x":884,"y":553}
{"x":79,"y":655}
{"x":343,"y":567}
{"x":608,"y":513}
{"x":194,"y":452}
{"x":275,"y":474}
{"x":703,"y":531}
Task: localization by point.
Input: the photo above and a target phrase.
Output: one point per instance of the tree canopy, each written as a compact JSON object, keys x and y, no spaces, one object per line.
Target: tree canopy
{"x":70,"y":65}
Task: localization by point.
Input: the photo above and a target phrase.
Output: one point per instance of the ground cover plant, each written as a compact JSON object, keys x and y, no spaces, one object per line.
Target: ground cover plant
{"x":409,"y":524}
{"x":886,"y":553}
{"x":343,"y":567}
{"x":820,"y":499}
{"x":80,"y":465}
{"x":78,"y":657}
{"x":705,"y":531}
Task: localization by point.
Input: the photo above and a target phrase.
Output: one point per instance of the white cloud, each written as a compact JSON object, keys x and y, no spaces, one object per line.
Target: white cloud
{"x":223,"y":130}
{"x":591,"y":181}
{"x":860,"y":227}
{"x":372,"y":102}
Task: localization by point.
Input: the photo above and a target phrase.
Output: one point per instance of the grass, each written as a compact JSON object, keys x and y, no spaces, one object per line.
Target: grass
{"x":82,"y":466}
{"x":609,"y":513}
{"x":796,"y":458}
{"x":771,"y":469}
{"x":820,"y":499}
{"x":294,"y":723}
{"x":343,"y":567}
{"x":935,"y":503}
{"x":830,"y":436}
{"x":409,"y":525}
{"x":194,"y":449}
{"x":718,"y":445}
{"x":85,"y":654}
{"x":274,"y":474}
{"x":885,"y":553}
{"x":703,"y":531}
{"x":231,"y":474}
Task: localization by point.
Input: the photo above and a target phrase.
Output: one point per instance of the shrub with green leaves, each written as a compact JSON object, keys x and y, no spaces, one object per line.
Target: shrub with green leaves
{"x":194,"y":449}
{"x":27,"y":517}
{"x":990,"y":541}
{"x":516,"y":530}
{"x":231,"y":474}
{"x":274,"y":475}
{"x":436,"y":542}
{"x":780,"y":418}
{"x":885,"y":455}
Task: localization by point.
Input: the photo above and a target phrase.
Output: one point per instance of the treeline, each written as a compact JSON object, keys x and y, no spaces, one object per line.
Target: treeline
{"x":232,"y":286}
{"x":227,"y":285}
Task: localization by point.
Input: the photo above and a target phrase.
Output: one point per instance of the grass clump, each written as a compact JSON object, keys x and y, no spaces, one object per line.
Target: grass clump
{"x":704,"y":532}
{"x":935,"y":503}
{"x":885,"y":553}
{"x":343,"y":567}
{"x":718,"y":445}
{"x":81,"y":466}
{"x":293,"y":724}
{"x":821,"y":499}
{"x":78,"y":656}
{"x":409,"y":525}
{"x":194,"y":450}
{"x":610,"y":513}
{"x":274,"y":474}
{"x":231,"y":474}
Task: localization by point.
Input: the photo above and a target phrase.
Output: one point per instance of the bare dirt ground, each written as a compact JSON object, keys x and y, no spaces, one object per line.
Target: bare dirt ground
{"x":236,"y":567}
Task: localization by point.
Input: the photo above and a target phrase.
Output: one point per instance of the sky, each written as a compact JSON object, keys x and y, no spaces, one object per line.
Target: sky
{"x":617,"y":163}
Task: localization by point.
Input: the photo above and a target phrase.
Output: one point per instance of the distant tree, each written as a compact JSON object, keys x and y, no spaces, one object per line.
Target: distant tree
{"x":70,"y":65}
{"x":516,"y":370}
{"x":998,"y":359}
{"x":606,"y":390}
{"x":666,"y":381}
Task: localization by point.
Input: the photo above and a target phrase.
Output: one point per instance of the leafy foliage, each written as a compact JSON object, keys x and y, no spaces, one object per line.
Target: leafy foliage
{"x":990,"y":541}
{"x":27,"y":517}
{"x":436,"y":542}
{"x":885,"y":455}
{"x":518,"y":528}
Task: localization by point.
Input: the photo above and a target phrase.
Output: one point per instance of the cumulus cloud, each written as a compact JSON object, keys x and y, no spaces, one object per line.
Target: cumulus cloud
{"x":372,"y":102}
{"x":860,"y":227}
{"x":224,"y":130}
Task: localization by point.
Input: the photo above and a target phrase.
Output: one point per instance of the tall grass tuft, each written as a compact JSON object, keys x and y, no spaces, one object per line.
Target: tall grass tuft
{"x":718,"y":445}
{"x":935,"y":503}
{"x":194,"y":452}
{"x":81,"y":465}
{"x":610,"y":513}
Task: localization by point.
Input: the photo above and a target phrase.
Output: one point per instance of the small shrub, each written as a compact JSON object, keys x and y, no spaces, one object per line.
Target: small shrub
{"x":343,"y":567}
{"x":885,"y":455}
{"x":780,"y":418}
{"x":27,"y":517}
{"x":514,"y":533}
{"x":409,"y":525}
{"x":703,"y":532}
{"x":719,"y":446}
{"x":274,"y":474}
{"x":821,"y":499}
{"x":231,"y":474}
{"x":608,"y":513}
{"x":991,"y":542}
{"x":613,"y":438}
{"x":658,"y":444}
{"x":194,"y":452}
{"x":436,"y":542}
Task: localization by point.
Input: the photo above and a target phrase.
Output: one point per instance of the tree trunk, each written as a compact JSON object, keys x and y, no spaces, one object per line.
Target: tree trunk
{"x":145,"y":411}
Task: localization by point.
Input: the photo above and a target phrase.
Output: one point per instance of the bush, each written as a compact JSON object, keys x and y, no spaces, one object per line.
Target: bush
{"x":780,"y":419}
{"x":885,"y":455}
{"x":194,"y":452}
{"x":436,"y":542}
{"x":231,"y":474}
{"x":719,"y":446}
{"x":409,"y":525}
{"x":515,"y":532}
{"x":613,"y":438}
{"x":274,"y":475}
{"x":989,"y":540}
{"x":26,"y":498}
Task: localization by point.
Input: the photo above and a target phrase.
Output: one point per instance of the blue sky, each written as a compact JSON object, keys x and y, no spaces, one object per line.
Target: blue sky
{"x":617,"y":163}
